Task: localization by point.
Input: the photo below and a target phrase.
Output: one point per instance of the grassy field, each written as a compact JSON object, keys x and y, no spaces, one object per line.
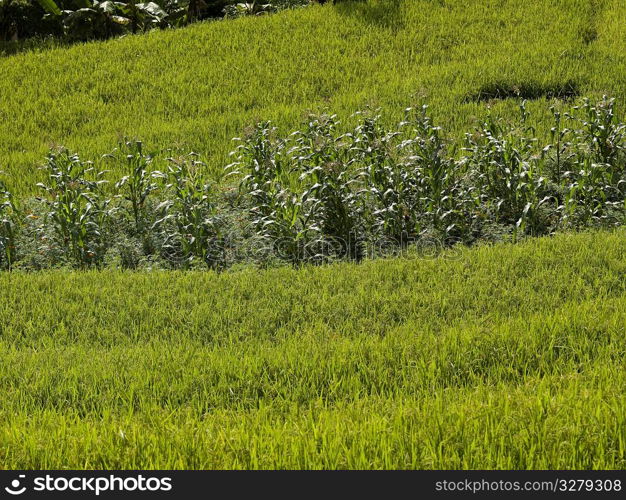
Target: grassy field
{"x":198,"y":87}
{"x":509,"y":356}
{"x":498,"y":356}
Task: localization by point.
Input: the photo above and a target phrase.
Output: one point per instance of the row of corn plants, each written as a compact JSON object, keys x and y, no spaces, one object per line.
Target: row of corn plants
{"x":321,"y":194}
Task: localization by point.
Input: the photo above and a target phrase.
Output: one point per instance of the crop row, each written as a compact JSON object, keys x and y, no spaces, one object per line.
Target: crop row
{"x":318,"y":195}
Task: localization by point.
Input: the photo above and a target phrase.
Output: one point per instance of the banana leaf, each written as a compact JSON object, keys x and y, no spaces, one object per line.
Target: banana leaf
{"x":50,"y":6}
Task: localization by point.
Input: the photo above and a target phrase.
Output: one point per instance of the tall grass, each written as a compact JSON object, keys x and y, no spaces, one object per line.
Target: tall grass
{"x":403,"y":363}
{"x":497,"y":356}
{"x":196,"y":88}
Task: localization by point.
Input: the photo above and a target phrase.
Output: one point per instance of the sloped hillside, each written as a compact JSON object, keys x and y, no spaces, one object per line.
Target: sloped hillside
{"x":196,"y":88}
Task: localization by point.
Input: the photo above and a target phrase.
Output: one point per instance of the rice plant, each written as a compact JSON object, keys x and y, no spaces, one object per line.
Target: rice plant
{"x":498,"y":356}
{"x":85,"y":97}
{"x":388,"y":363}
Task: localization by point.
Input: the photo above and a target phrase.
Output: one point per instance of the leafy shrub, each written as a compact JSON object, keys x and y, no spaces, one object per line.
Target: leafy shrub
{"x":27,"y":18}
{"x":248,"y":9}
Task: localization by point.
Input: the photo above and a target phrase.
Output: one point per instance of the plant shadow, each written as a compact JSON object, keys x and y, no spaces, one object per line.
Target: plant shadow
{"x":382,"y":13}
{"x":14,"y":47}
{"x":525,"y":90}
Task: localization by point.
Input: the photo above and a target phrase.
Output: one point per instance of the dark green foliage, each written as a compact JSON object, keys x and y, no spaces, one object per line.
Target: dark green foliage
{"x":79,"y":20}
{"x":234,"y":9}
{"x":25,"y":19}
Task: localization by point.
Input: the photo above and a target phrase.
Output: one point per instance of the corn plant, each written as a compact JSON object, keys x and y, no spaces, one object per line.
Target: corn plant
{"x":589,"y":192}
{"x":596,"y":180}
{"x":439,"y":198}
{"x":8,"y":211}
{"x":319,"y":194}
{"x":604,"y":137}
{"x":324,"y":158}
{"x":559,"y":153}
{"x":138,"y":184}
{"x":388,"y":187}
{"x":191,"y":225}
{"x":77,"y":209}
{"x":282,"y":215}
{"x":507,"y":172}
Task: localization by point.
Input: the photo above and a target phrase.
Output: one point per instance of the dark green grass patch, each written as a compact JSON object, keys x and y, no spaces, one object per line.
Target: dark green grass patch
{"x":526,"y":90}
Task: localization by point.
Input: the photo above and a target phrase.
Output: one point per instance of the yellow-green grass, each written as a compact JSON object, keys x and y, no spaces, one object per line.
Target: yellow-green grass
{"x":510,"y":356}
{"x":196,"y":88}
{"x":505,"y":356}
